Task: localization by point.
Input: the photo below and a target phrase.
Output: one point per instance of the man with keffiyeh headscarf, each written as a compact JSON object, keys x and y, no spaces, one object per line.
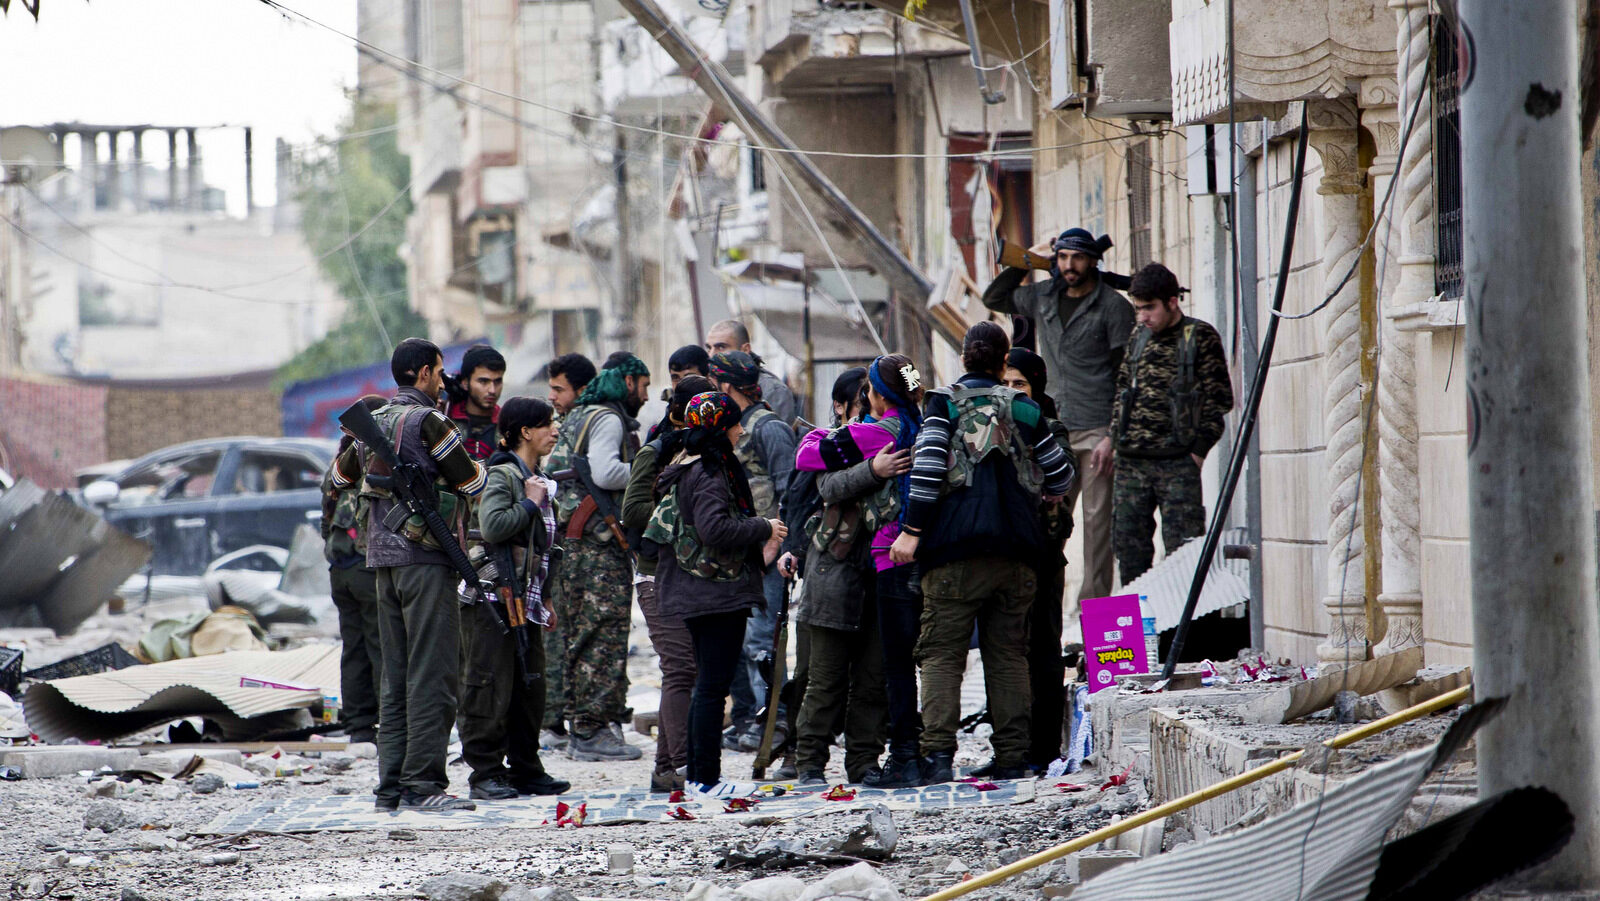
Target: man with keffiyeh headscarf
{"x":592,"y":592}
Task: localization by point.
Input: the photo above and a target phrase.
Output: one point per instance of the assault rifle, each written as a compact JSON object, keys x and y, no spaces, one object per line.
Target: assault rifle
{"x":596,"y":501}
{"x":412,"y":489}
{"x":775,"y":673}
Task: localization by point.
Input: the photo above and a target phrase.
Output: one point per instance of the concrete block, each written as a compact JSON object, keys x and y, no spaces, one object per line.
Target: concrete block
{"x":67,"y":760}
{"x":1093,"y":863}
{"x":619,"y":860}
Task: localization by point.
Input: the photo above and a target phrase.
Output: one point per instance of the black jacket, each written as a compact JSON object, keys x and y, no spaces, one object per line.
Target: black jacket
{"x":704,"y":501}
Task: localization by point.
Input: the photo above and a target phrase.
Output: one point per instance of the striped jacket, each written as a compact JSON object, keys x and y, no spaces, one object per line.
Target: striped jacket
{"x":430,"y":440}
{"x":994,"y":516}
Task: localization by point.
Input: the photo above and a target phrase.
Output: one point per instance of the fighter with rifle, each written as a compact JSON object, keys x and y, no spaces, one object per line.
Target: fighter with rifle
{"x":593,"y":592}
{"x":415,"y":477}
{"x":502,"y":659}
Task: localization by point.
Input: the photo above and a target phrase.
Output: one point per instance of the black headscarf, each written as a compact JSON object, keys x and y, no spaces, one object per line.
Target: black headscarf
{"x":1032,"y":367}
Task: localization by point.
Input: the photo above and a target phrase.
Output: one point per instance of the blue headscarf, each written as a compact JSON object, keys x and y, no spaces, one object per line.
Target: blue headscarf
{"x":910,"y":422}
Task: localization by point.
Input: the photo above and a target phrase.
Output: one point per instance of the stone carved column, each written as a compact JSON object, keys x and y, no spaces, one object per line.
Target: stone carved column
{"x":1333,"y":136}
{"x":1398,"y":433}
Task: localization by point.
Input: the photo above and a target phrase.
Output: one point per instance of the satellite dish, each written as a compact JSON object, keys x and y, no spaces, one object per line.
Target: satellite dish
{"x":28,"y":152}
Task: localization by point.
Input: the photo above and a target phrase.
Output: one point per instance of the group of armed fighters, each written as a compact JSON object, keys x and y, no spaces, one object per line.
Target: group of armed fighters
{"x":485,"y":556}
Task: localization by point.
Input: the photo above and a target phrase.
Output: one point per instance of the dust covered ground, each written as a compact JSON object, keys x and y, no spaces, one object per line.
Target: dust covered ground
{"x":157,"y":847}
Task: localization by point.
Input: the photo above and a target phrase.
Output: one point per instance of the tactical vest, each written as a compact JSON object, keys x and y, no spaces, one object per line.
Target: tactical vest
{"x":1183,"y":402}
{"x":667,"y":528}
{"x":983,"y":426}
{"x":402,"y":424}
{"x":572,"y":441}
{"x":762,"y":489}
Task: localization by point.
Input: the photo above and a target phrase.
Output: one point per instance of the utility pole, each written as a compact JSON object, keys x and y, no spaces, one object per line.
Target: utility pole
{"x":619,"y":331}
{"x":1530,"y":493}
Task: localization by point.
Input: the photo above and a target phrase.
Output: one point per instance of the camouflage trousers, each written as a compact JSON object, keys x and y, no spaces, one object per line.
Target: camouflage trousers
{"x":593,"y":597}
{"x":1141,"y":486}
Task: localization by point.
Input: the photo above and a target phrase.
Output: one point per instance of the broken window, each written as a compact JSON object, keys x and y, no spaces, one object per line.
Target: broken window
{"x":170,"y":478}
{"x":263,"y":472}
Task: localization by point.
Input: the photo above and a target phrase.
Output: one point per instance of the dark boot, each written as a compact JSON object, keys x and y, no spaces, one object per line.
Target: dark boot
{"x":495,"y":788}
{"x":898,"y":772}
{"x":539,"y":784}
{"x":938,"y":767}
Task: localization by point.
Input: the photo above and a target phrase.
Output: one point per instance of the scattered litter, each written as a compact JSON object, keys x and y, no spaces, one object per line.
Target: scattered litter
{"x":10,"y":773}
{"x":220,"y":860}
{"x":1072,"y":786}
{"x":740,"y":805}
{"x":567,"y":815}
{"x":402,"y":835}
{"x":679,"y":813}
{"x":202,"y":634}
{"x":839,"y":793}
{"x":1118,"y":779}
{"x":60,"y":559}
{"x":980,"y":784}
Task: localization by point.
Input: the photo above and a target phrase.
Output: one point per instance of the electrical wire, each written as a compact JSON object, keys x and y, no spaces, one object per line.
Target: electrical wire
{"x":1379,"y":218}
{"x":402,"y":61}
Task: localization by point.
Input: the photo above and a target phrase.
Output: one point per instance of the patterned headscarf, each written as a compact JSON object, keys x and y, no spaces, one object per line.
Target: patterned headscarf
{"x":707,"y":419}
{"x":611,"y":385}
{"x":713,"y":411}
{"x":738,"y":369}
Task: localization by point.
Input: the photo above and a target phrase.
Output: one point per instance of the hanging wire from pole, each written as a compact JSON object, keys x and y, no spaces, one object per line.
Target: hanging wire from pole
{"x":1252,"y":405}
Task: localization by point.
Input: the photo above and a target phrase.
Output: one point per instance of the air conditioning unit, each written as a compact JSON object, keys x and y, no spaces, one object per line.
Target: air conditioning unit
{"x":1110,"y":57}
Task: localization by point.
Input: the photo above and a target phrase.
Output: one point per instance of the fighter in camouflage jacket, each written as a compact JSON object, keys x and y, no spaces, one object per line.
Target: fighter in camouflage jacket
{"x":1173,"y":392}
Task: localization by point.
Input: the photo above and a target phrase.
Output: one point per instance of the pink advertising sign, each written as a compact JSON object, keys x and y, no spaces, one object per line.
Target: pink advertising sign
{"x":1113,"y":639}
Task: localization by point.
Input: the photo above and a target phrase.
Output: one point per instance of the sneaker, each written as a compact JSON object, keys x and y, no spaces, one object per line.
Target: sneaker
{"x":898,"y":772}
{"x":495,"y":788}
{"x":551,"y":740}
{"x":665,"y":781}
{"x":721,"y":791}
{"x":541,"y":784}
{"x":602,"y":745}
{"x":938,"y":767}
{"x":388,"y":804}
{"x":434,"y":803}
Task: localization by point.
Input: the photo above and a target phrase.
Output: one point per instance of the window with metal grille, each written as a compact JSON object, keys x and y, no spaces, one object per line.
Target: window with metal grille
{"x":758,"y":171}
{"x":1139,"y":202}
{"x":1448,"y":268}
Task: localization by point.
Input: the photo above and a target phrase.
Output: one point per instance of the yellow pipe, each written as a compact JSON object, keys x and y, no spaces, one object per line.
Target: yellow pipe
{"x":1448,"y":699}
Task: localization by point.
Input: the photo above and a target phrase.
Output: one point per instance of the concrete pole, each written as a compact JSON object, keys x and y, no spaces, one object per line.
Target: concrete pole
{"x":89,"y":163}
{"x":1529,"y":484}
{"x":619,"y":331}
{"x":138,"y":169}
{"x":172,"y":170}
{"x":249,"y":175}
{"x":113,"y":173}
{"x":192,"y":172}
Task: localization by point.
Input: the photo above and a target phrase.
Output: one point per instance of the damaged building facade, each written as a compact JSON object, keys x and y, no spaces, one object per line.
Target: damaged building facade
{"x":1110,"y":115}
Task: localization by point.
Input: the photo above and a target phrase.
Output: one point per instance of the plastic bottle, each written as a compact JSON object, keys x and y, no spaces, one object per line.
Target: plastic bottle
{"x":1152,"y":638}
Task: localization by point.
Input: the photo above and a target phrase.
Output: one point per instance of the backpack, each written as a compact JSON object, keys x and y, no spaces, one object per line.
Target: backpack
{"x":763,"y":491}
{"x":667,"y":528}
{"x":984,"y":426}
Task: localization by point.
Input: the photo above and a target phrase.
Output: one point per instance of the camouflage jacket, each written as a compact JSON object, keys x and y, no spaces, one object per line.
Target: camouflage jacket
{"x":344,"y":534}
{"x":1173,"y":392}
{"x":574,"y":439}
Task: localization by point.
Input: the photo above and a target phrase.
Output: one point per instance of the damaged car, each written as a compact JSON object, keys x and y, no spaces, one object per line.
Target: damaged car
{"x":196,"y":501}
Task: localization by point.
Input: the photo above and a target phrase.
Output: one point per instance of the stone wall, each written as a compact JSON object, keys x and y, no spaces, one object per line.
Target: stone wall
{"x":141,"y":420}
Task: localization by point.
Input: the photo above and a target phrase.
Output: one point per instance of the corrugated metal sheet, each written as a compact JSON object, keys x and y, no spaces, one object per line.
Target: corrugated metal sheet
{"x":110,"y":705}
{"x":1166,"y":584}
{"x":1315,"y":852}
